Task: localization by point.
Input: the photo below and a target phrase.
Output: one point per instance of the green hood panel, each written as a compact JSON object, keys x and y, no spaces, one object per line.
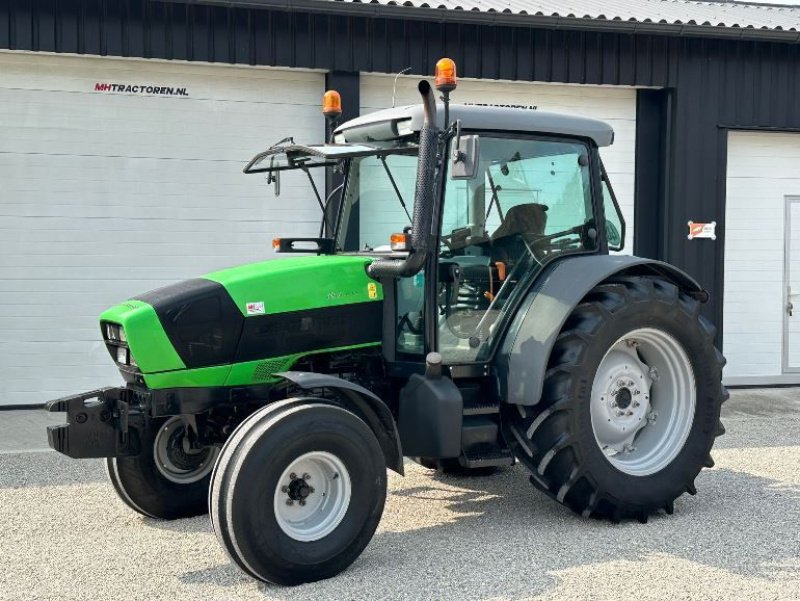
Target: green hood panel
{"x":235,"y":317}
{"x":299,"y":283}
{"x":149,"y":344}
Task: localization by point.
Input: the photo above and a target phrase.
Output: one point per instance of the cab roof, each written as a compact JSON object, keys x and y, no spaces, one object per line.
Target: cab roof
{"x":490,"y":117}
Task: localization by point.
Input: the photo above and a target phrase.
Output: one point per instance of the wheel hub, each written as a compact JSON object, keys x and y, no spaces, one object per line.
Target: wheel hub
{"x":621,"y":402}
{"x":298,"y":489}
{"x":312,"y":496}
{"x":643,"y":375}
{"x":176,"y":459}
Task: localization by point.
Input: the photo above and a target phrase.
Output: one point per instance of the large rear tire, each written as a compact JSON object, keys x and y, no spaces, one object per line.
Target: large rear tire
{"x":298,"y":491}
{"x":630,"y":405}
{"x":168,"y":480}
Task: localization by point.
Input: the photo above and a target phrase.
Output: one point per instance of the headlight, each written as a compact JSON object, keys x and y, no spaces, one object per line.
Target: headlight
{"x":115,"y":332}
{"x":117,"y":343}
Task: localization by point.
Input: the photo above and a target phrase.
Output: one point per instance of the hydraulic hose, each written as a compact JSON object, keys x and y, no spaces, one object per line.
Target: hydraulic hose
{"x":424,"y":196}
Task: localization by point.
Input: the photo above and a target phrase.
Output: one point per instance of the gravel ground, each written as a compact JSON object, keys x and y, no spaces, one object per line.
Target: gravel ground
{"x":66,"y":536}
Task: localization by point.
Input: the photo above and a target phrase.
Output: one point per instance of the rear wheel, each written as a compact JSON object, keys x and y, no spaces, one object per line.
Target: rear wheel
{"x":298,"y":492}
{"x":169,"y":479}
{"x":630,"y":405}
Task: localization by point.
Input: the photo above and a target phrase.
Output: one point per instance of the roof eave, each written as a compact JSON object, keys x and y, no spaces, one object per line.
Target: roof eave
{"x":443,"y":15}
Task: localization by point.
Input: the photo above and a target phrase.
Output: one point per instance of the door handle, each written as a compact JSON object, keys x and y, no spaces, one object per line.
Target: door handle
{"x":789,"y":308}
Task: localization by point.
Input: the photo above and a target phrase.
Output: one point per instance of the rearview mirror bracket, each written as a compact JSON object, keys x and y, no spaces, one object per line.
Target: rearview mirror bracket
{"x":466,"y":154}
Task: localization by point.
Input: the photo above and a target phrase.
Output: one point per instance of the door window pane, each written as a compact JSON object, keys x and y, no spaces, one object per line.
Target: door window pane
{"x":530,"y":202}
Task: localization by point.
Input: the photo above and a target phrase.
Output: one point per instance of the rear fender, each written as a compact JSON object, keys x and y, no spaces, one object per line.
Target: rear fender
{"x":522,"y":358}
{"x":363,"y":403}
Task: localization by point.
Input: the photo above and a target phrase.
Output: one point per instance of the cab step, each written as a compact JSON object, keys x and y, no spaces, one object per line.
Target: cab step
{"x":486,"y":455}
{"x":475,"y":399}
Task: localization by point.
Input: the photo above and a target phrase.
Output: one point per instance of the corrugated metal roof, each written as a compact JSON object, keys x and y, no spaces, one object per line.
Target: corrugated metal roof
{"x":726,"y":15}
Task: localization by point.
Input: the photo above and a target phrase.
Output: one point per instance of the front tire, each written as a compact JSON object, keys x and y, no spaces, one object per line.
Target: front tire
{"x":300,"y":493}
{"x":630,"y":405}
{"x":168,"y":480}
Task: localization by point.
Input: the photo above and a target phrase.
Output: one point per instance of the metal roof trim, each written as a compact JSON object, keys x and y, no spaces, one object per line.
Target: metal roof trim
{"x":441,"y":14}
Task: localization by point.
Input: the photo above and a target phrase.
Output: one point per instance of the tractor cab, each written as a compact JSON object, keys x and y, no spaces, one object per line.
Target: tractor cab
{"x":515,"y":189}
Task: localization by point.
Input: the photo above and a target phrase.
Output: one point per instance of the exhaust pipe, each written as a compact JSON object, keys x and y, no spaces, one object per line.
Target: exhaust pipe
{"x":424,"y":197}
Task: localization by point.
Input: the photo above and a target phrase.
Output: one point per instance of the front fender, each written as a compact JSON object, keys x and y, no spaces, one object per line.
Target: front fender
{"x":363,"y":403}
{"x":523,"y":355}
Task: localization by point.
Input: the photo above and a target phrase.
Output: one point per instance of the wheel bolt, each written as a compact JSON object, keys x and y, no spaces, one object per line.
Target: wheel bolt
{"x":292,"y":476}
{"x":284,"y":489}
{"x":620,"y":413}
{"x":613,"y":403}
{"x":289,"y":502}
{"x":310,"y":489}
{"x":629,"y":413}
{"x":306,"y":477}
{"x":636,"y":403}
{"x":302,"y":502}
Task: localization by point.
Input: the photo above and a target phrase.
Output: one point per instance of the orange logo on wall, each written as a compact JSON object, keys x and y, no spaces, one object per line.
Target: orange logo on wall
{"x":703,"y":230}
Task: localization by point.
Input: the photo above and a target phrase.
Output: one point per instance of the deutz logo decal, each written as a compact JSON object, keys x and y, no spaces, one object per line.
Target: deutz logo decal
{"x":255,"y":308}
{"x":336,"y":294}
{"x":372,"y":290}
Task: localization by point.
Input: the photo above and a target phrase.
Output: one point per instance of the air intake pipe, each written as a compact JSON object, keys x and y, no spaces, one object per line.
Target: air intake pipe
{"x":424,"y":196}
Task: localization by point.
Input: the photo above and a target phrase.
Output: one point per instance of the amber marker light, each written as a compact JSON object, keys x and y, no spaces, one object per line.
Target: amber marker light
{"x":445,"y":79}
{"x":276,"y":244}
{"x":400,"y":242}
{"x":331,"y":104}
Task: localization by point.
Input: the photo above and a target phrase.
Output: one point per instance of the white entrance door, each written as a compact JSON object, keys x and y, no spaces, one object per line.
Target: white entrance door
{"x":791,"y":318}
{"x":759,"y":223}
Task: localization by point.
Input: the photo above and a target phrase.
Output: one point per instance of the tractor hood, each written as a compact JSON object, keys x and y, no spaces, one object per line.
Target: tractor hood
{"x":219,"y":329}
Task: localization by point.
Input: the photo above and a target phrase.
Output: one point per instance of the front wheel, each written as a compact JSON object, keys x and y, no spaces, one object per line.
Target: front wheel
{"x":169,"y":479}
{"x":298,"y":491}
{"x":630,"y":405}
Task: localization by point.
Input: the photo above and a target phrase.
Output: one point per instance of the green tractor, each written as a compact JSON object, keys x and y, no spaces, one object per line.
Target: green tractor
{"x":460,"y":307}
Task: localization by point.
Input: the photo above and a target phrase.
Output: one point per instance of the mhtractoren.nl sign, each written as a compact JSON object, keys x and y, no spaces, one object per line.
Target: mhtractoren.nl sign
{"x":147,"y":89}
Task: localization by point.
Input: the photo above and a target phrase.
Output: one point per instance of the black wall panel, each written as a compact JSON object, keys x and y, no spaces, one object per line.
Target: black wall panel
{"x":708,"y":85}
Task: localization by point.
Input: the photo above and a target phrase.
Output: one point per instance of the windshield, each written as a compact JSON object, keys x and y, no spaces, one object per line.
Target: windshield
{"x":379,"y":200}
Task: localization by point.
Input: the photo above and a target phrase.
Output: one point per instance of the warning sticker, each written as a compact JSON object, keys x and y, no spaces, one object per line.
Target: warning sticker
{"x":255,"y":308}
{"x":372,"y":290}
{"x":703,"y":230}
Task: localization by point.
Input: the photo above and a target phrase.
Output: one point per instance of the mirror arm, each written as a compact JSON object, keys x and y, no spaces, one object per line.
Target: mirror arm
{"x":314,"y":187}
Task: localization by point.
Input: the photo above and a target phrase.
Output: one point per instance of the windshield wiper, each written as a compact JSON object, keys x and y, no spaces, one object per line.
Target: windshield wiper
{"x":495,"y":200}
{"x":394,"y":185}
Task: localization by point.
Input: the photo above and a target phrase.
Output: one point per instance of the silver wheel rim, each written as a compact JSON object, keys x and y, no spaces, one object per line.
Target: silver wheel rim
{"x":175,"y":458}
{"x":312,"y":496}
{"x":643,"y":401}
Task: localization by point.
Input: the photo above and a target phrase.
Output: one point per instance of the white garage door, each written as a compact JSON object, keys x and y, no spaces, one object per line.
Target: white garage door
{"x":615,"y":105}
{"x":118,"y":176}
{"x":762,"y":239}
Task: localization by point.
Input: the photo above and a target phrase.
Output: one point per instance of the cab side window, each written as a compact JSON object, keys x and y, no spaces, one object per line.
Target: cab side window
{"x":530,"y":202}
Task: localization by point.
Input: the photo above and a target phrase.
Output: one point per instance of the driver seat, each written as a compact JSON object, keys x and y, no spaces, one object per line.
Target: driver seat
{"x":507,"y":242}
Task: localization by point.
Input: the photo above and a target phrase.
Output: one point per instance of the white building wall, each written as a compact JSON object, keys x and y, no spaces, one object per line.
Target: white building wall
{"x":105,"y":195}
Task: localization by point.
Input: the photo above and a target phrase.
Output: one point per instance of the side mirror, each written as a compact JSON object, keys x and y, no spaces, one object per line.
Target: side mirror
{"x":274,"y":177}
{"x":466,"y":155}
